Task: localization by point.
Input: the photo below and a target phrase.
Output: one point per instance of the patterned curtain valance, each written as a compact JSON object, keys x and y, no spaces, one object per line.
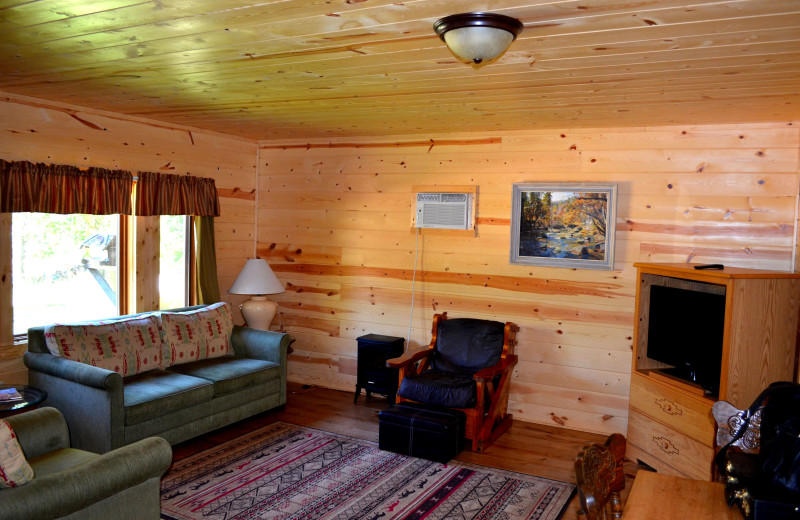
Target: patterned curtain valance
{"x":55,"y":188}
{"x":164,"y":194}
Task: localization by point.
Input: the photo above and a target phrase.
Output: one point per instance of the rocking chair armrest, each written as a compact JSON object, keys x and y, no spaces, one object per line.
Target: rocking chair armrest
{"x":408,"y":358}
{"x":506,"y":364}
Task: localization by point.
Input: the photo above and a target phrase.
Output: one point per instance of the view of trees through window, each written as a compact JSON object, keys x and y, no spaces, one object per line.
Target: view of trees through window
{"x":64,"y":268}
{"x":172,"y":265}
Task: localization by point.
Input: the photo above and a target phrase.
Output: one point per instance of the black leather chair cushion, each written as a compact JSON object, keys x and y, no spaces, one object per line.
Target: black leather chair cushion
{"x":466,"y":345}
{"x":436,"y":387}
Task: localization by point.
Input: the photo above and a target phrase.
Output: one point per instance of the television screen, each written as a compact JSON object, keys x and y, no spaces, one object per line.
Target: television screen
{"x":685,"y":330}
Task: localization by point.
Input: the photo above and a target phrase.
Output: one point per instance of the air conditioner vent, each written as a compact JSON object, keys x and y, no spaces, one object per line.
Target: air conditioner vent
{"x":443,"y":210}
{"x":429,"y":197}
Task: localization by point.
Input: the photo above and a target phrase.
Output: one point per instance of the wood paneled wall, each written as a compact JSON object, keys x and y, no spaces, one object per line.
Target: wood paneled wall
{"x":334,"y":221}
{"x":39,"y":131}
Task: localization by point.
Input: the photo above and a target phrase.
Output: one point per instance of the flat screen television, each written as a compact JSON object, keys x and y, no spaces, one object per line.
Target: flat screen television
{"x":685,"y":330}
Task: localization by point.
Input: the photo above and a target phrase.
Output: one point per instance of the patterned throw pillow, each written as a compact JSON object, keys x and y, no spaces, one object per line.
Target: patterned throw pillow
{"x":14,"y":469}
{"x":216,"y":325}
{"x":127,"y":346}
{"x":198,"y":334}
{"x":182,"y":342}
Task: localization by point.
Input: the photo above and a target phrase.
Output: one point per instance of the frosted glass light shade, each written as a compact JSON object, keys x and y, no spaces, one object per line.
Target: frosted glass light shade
{"x":256,"y":278}
{"x":478,"y":44}
{"x":478,"y":38}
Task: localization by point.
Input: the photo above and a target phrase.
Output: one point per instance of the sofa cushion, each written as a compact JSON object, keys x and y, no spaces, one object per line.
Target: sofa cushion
{"x":231,"y":374}
{"x":127,"y":346}
{"x":182,"y":341}
{"x":161,"y":392}
{"x":57,"y":461}
{"x":216,"y":324}
{"x":190,"y":336}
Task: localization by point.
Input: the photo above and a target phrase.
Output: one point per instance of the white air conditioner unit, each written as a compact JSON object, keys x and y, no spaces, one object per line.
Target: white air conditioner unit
{"x":444,"y":210}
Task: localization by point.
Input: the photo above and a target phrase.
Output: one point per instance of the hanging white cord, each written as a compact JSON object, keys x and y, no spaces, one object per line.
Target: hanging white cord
{"x":413,"y":280}
{"x":255,"y":212}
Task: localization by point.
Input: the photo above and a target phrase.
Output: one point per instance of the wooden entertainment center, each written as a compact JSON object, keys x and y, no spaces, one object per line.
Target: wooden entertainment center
{"x":670,"y":426}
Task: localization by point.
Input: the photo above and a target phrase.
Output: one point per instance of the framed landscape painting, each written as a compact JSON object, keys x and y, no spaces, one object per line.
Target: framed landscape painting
{"x":563,"y":225}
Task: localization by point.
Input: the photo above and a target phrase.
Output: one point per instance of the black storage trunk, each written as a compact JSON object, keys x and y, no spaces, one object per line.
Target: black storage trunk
{"x":373,"y":375}
{"x":423,"y":431}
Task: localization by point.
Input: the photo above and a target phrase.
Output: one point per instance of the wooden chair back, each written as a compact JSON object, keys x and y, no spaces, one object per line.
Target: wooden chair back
{"x":599,"y":476}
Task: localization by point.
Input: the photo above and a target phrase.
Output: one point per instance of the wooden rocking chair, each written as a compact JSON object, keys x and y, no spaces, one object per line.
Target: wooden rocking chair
{"x":468,"y":367}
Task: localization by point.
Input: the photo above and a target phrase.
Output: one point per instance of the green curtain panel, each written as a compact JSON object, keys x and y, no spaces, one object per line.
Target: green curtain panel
{"x":62,"y":189}
{"x":206,"y":257}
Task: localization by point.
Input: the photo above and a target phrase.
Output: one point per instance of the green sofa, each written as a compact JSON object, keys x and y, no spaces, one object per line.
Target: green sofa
{"x":72,"y":484}
{"x":105,"y":411}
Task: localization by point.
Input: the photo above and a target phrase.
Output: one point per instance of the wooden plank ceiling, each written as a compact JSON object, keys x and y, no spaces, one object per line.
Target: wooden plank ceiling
{"x":284,"y":69}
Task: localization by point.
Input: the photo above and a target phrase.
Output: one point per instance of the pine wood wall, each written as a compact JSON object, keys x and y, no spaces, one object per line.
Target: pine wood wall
{"x":334,"y":221}
{"x":39,"y":131}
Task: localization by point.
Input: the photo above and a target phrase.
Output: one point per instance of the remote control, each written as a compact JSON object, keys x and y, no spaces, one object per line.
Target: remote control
{"x":710,"y":266}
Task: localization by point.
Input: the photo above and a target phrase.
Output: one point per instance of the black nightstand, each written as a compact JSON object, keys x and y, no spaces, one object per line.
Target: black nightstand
{"x":373,"y":375}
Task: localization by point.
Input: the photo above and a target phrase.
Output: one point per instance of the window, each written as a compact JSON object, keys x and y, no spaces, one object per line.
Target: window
{"x":69,"y":268}
{"x":173,"y":261}
{"x":69,"y":264}
{"x":65,"y":268}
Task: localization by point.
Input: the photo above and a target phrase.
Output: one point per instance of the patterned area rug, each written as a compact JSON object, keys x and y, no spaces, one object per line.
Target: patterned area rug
{"x":284,"y":471}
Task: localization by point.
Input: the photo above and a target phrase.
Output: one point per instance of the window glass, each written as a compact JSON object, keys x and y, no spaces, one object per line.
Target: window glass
{"x":64,"y":268}
{"x":172,"y":277}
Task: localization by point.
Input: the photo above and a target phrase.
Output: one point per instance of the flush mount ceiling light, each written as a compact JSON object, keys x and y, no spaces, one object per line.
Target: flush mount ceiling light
{"x":477,"y":38}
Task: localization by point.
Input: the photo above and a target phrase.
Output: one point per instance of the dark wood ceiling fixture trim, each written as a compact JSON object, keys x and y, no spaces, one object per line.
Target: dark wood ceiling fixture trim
{"x":497,"y":21}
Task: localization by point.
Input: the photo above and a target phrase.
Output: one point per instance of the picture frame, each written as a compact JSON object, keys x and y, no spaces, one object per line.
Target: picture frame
{"x":568,"y":225}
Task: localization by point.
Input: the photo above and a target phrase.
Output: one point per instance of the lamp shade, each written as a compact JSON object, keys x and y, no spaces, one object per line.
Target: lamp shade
{"x":256,"y":278}
{"x":478,"y":38}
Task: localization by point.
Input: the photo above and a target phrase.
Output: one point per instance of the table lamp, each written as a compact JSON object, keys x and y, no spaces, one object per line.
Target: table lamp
{"x":257,"y":279}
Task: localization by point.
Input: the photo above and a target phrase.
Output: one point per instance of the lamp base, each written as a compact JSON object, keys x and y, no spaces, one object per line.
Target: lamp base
{"x":258,"y":312}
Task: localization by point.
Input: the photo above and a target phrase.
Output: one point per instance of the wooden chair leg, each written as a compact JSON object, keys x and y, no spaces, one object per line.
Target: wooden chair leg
{"x":477,"y":429}
{"x":497,"y":421}
{"x":616,"y":506}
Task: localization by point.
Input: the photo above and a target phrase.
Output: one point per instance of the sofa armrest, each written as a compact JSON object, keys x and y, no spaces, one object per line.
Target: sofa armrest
{"x":65,"y":492}
{"x":73,"y":371}
{"x":261,"y":344}
{"x":90,"y":398}
{"x":40,"y":431}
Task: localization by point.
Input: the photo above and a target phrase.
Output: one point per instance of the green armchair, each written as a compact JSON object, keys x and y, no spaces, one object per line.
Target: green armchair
{"x":123,"y":484}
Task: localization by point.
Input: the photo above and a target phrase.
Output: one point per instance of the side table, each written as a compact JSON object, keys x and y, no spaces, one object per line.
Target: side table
{"x":31,"y":396}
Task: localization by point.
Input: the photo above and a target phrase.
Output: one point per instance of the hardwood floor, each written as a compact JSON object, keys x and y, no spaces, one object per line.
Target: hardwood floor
{"x":545,"y":451}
